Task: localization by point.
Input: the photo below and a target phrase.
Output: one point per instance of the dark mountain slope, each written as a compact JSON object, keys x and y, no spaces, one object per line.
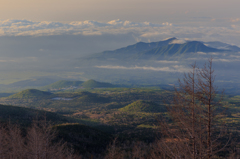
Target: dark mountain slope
{"x":177,"y":49}
{"x":131,"y":49}
{"x":141,"y":46}
{"x":81,"y":138}
{"x":233,"y":48}
{"x":26,"y":115}
{"x":155,"y":50}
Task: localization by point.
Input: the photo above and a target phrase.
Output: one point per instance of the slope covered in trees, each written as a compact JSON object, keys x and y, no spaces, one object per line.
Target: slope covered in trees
{"x":31,"y":93}
{"x":95,"y":84}
{"x":144,"y":106}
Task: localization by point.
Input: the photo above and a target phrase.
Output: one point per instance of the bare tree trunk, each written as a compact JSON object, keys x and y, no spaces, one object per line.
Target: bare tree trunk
{"x":185,"y":114}
{"x":193,"y":110}
{"x":194,"y":117}
{"x":207,"y":96}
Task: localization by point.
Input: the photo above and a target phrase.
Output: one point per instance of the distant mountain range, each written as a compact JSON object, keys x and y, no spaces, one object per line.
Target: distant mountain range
{"x":151,"y":63}
{"x":221,"y":45}
{"x":162,"y":49}
{"x":87,"y":84}
{"x":48,"y":84}
{"x":162,"y":62}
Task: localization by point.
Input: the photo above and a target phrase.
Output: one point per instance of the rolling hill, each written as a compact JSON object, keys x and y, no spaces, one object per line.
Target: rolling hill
{"x":143,"y":106}
{"x":95,"y":84}
{"x":31,"y":93}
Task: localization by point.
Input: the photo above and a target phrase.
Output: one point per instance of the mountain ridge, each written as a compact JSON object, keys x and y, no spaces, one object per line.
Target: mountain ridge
{"x":159,"y":50}
{"x":178,"y":49}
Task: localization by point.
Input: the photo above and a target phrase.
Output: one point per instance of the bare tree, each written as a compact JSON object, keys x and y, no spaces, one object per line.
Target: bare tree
{"x":181,"y":139}
{"x":212,"y":109}
{"x":37,"y":144}
{"x":114,"y":151}
{"x":40,"y":145}
{"x":3,"y":142}
{"x":194,"y":117}
{"x":14,"y":142}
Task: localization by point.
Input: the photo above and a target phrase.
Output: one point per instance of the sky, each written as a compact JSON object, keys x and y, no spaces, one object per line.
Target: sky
{"x":106,"y":10}
{"x":188,"y":19}
{"x":155,"y":11}
{"x":145,"y":20}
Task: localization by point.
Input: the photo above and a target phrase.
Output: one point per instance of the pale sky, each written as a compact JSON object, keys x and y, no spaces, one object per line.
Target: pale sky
{"x":155,"y":11}
{"x":145,"y":20}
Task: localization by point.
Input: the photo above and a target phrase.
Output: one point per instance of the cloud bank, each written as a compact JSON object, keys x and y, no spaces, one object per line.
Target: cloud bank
{"x":142,"y":31}
{"x":176,"y":68}
{"x":27,"y":27}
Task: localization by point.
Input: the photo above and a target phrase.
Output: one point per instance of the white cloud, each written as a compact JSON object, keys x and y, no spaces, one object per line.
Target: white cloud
{"x":142,"y":30}
{"x":27,"y":27}
{"x":91,"y":33}
{"x":202,"y":53}
{"x":234,"y":20}
{"x":176,"y":68}
{"x":196,"y":59}
{"x":167,"y":24}
{"x":7,"y":61}
{"x":165,"y":61}
{"x":235,"y":56}
{"x":214,"y":53}
{"x":222,"y":60}
{"x":226,"y":60}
